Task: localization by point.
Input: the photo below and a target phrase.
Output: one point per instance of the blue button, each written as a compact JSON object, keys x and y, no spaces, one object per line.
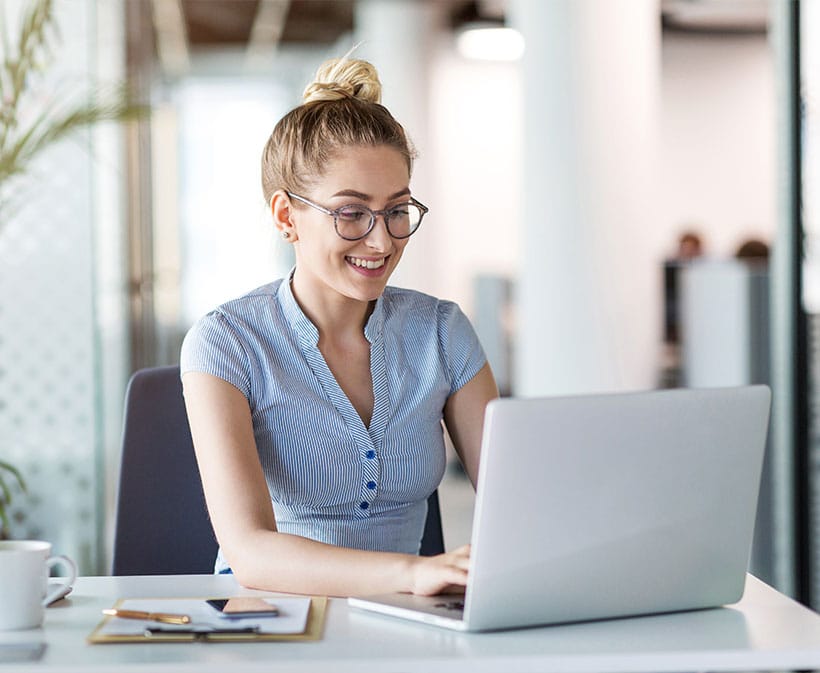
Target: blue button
{"x":364,"y":505}
{"x":371,"y":485}
{"x":371,"y":454}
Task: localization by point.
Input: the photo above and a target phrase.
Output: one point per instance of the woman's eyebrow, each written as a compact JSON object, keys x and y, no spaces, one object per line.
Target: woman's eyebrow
{"x":366,"y":197}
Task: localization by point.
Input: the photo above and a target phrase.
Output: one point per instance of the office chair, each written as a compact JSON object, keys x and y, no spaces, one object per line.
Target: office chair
{"x":162,"y":524}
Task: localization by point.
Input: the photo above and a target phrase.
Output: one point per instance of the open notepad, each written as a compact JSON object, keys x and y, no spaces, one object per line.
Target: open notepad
{"x":299,"y":618}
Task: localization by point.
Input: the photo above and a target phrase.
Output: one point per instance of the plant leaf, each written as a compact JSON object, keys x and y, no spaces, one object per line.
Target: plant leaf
{"x":19,"y":71}
{"x":5,"y":501}
{"x":10,"y":468}
{"x":4,"y":487}
{"x":47,"y":129}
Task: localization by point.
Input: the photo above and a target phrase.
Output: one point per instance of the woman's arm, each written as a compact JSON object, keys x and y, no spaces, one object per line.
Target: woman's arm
{"x":242,"y":515}
{"x":464,"y":418}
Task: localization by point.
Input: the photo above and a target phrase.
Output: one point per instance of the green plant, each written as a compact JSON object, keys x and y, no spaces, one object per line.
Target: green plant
{"x":6,"y":493}
{"x":33,"y":118}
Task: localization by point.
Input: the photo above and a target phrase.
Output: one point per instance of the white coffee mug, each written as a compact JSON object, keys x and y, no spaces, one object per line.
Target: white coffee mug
{"x":25,"y":566}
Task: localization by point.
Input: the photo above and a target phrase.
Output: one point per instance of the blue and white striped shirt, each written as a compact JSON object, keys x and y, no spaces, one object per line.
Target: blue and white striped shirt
{"x":331,"y":478}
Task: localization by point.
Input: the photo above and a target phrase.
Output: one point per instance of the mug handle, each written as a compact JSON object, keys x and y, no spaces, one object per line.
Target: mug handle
{"x":60,"y":589}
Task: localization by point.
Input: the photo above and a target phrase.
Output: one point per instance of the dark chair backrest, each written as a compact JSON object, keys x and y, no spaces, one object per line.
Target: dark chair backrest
{"x":162,"y":524}
{"x":432,"y":542}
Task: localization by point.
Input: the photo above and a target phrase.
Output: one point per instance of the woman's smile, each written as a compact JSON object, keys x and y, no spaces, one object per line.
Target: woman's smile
{"x":368,"y":266}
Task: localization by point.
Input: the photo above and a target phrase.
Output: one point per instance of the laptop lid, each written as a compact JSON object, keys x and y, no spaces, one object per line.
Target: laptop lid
{"x":602,"y":506}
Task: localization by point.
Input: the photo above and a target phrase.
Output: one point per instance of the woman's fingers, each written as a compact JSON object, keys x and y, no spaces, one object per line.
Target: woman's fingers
{"x":442,"y":573}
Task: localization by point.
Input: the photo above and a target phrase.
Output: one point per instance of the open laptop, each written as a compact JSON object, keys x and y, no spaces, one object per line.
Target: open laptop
{"x":600,"y":506}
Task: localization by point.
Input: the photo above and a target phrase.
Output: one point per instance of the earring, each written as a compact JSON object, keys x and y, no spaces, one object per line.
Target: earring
{"x":286,"y":235}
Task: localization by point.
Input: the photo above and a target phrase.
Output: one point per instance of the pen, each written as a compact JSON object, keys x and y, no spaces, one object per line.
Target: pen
{"x":164,"y":617}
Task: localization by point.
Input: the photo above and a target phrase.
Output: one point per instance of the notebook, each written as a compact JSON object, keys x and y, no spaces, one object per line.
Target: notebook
{"x":602,"y":506}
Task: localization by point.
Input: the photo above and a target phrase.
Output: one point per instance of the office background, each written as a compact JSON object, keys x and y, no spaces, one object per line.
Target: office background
{"x":559,"y":182}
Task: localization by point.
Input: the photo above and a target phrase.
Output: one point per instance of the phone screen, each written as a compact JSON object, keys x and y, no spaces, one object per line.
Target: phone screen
{"x":244,"y":607}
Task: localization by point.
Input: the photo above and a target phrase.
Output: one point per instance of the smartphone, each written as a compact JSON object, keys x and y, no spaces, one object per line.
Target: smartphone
{"x":236,"y":608}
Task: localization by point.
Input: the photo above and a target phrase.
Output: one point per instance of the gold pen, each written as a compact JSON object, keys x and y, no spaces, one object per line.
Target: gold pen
{"x":163,"y":617}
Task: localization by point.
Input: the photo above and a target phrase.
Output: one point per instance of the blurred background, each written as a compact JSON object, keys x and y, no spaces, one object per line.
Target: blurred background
{"x":622,"y":196}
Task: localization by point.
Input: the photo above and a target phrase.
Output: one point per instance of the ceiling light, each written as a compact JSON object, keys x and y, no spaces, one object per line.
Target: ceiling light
{"x":489,"y":42}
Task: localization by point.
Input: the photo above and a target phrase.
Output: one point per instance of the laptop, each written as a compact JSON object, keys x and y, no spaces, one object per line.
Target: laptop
{"x":601,"y":506}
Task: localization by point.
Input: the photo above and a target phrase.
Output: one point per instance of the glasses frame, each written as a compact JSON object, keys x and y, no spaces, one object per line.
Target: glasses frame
{"x":373,"y":214}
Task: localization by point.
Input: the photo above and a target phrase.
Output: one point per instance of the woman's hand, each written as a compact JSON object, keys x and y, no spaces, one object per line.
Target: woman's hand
{"x":445,"y":573}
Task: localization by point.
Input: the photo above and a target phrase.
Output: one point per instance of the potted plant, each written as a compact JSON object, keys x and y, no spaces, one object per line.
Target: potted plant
{"x":34,"y":115}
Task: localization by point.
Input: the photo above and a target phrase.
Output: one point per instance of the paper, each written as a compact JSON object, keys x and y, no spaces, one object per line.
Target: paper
{"x":292,"y":618}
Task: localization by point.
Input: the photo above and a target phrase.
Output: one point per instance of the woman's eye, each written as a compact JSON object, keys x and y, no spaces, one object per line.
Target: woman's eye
{"x":353,"y":214}
{"x":399,"y":211}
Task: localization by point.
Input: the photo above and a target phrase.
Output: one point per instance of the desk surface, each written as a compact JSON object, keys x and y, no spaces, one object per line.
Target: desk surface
{"x":766,"y":630}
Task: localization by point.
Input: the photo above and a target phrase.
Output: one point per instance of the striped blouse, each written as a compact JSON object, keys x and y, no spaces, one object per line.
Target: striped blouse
{"x":330,"y":478}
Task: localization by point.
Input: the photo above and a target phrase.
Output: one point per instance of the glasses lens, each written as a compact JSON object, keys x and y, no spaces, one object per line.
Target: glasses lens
{"x":403,"y":220}
{"x":352,"y":221}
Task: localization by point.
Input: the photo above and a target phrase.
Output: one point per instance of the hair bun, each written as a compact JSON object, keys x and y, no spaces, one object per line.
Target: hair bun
{"x":341,"y":78}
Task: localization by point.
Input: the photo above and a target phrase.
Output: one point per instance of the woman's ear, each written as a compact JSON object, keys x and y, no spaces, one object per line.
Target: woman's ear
{"x":281,"y":210}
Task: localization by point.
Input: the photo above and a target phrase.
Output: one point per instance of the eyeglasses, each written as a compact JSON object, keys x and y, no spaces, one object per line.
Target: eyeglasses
{"x":354,"y":222}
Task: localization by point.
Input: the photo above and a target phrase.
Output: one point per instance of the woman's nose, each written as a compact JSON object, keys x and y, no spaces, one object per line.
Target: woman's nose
{"x":379,"y":238}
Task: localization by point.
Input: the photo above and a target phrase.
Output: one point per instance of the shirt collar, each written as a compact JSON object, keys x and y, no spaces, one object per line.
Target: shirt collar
{"x":373,"y":328}
{"x":293,"y":313}
{"x":306,"y":330}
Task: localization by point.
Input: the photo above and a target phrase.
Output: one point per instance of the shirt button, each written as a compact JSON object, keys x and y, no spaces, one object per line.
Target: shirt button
{"x":371,"y":485}
{"x":364,"y":505}
{"x":371,"y":454}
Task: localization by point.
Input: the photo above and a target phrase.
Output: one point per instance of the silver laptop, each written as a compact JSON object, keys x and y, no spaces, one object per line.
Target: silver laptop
{"x":601,"y":506}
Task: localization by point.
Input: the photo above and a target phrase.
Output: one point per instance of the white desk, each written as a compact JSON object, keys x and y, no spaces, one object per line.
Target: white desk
{"x":764,"y":631}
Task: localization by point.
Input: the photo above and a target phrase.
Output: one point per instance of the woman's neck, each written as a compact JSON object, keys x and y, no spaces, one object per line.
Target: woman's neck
{"x":333,"y":314}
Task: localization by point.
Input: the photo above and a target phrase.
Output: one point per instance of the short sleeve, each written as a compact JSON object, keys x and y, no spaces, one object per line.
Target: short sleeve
{"x":462,"y":350}
{"x":212,"y":346}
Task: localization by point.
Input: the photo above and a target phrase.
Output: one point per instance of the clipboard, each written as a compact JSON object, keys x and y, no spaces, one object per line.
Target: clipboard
{"x":312,"y":631}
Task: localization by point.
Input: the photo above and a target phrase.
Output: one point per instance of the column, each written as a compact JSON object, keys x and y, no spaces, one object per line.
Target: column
{"x":588,"y":291}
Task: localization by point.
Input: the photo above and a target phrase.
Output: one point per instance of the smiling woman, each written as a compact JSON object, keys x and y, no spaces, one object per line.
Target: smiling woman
{"x":357,"y":245}
{"x":316,"y":402}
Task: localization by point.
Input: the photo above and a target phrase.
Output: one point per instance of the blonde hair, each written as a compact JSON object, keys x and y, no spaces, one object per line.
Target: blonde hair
{"x":340,"y":108}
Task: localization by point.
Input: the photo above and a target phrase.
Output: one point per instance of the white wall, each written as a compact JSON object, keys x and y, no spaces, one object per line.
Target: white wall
{"x":476,"y":151}
{"x":718,"y":142}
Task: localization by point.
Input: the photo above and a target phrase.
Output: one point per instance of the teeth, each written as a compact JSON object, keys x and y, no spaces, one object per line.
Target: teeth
{"x":367,"y":263}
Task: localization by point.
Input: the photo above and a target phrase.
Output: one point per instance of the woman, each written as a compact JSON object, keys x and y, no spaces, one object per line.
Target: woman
{"x":316,"y":401}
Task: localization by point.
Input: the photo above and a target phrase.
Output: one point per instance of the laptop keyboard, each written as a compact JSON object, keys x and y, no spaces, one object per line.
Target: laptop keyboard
{"x":457,"y":606}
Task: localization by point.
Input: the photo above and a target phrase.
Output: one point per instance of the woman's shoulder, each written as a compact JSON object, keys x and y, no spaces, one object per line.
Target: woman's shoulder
{"x":411,"y":306}
{"x":436,"y":326}
{"x":243,"y":315}
{"x":250,"y":301}
{"x":246,"y":309}
{"x":231,"y":331}
{"x":402,"y":300}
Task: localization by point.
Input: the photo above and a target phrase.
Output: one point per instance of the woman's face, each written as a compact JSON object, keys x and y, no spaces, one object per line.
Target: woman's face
{"x":376,"y":177}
